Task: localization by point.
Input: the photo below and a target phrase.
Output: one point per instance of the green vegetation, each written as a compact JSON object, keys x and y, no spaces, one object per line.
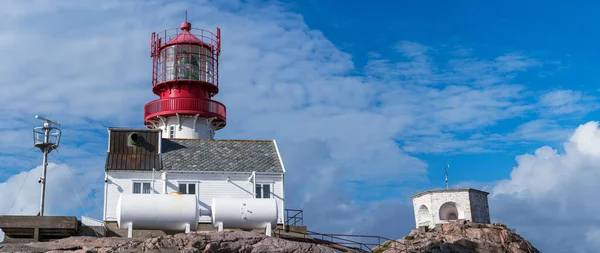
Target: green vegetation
{"x":382,"y":248}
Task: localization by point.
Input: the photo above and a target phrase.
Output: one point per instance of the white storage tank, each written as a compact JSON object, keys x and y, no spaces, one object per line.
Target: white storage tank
{"x":244,"y":213}
{"x":158,"y":211}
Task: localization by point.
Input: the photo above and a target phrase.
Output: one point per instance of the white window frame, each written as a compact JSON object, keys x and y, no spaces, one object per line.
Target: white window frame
{"x":188,"y":183}
{"x":141,"y":182}
{"x":261,"y":190}
{"x":171,"y":131}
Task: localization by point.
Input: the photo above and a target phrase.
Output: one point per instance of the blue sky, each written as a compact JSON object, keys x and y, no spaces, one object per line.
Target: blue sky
{"x":561,"y":35}
{"x":368,"y":103}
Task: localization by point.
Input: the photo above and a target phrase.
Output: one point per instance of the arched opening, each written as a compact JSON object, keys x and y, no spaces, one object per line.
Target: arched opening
{"x":450,"y":211}
{"x":423,"y":216}
{"x":423,"y":213}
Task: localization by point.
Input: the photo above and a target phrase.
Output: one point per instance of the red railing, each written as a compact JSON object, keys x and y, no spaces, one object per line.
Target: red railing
{"x":212,"y":40}
{"x":170,"y":106}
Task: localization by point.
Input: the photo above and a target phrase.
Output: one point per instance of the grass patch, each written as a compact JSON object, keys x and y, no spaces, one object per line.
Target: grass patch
{"x":382,"y":248}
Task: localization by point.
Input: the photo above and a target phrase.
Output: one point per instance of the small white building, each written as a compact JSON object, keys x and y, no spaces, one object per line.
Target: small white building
{"x":440,"y":206}
{"x":140,"y":161}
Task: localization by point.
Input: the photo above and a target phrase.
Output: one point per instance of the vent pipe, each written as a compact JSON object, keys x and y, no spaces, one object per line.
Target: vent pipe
{"x":164,"y":179}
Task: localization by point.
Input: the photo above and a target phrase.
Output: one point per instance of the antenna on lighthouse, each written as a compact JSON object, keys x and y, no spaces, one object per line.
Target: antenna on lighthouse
{"x":446,"y":171}
{"x":185,"y":15}
{"x":46,"y":138}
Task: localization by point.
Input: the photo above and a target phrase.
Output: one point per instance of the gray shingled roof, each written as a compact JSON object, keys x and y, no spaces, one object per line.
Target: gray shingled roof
{"x":220,"y":155}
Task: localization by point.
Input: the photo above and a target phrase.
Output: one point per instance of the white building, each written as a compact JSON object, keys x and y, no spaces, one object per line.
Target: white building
{"x":439,"y":206}
{"x":178,"y":153}
{"x":206,"y":169}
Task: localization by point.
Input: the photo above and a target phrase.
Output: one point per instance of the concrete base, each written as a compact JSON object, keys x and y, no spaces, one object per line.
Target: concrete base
{"x":21,"y":228}
{"x":292,"y":232}
{"x":205,"y":227}
{"x":91,"y":231}
{"x":113,"y":231}
{"x":294,"y":229}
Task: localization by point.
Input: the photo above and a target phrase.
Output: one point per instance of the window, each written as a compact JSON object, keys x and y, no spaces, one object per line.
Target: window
{"x":189,"y":188}
{"x":263,"y":191}
{"x":171,"y":131}
{"x":187,"y":65}
{"x":141,"y":188}
{"x":211,"y":132}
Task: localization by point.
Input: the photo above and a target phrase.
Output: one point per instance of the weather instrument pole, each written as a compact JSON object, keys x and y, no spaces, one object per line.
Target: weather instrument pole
{"x":446,"y":171}
{"x":46,"y":138}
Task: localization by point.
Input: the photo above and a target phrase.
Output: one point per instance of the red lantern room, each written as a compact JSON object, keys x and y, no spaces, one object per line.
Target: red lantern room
{"x":185,"y":76}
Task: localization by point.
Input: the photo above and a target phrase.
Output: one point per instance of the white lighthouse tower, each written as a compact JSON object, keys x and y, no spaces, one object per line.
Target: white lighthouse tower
{"x":185,"y":77}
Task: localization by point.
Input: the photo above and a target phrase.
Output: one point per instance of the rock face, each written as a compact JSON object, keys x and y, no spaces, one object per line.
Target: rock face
{"x":454,"y":237}
{"x":461,"y":237}
{"x":224,"y":241}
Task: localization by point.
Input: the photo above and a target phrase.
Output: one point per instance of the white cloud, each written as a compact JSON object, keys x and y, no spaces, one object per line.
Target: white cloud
{"x":279,"y":80}
{"x":556,"y":190}
{"x":87,"y":66}
{"x":411,"y":49}
{"x":535,"y":131}
{"x":565,"y":102}
{"x":592,"y":237}
{"x":515,"y":62}
{"x":66,"y":194}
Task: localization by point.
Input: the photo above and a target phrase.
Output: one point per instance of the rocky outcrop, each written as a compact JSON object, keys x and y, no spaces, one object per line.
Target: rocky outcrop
{"x":224,"y":241}
{"x":454,"y":237}
{"x":461,"y":237}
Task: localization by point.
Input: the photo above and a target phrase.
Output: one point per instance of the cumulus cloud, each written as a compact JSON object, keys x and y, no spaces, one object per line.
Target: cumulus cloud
{"x":66,"y":193}
{"x":344,"y":137}
{"x":280,"y":80}
{"x":553,"y":191}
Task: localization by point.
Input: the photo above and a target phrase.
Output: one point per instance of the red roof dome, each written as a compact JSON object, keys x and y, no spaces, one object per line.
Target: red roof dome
{"x":185,"y":37}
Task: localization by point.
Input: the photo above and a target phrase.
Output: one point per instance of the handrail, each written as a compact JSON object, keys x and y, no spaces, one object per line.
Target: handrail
{"x":297,"y":217}
{"x":184,"y":105}
{"x":332,"y":237}
{"x":338,"y":239}
{"x":158,"y":40}
{"x":380,"y":240}
{"x":346,"y":240}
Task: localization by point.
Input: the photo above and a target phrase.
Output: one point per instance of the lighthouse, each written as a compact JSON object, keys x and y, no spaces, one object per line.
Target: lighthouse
{"x":174,"y":168}
{"x":185,"y":76}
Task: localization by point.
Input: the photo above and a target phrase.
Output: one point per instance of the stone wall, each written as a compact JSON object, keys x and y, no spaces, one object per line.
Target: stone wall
{"x":422,"y":220}
{"x":460,"y":199}
{"x":479,"y":207}
{"x":469,"y":204}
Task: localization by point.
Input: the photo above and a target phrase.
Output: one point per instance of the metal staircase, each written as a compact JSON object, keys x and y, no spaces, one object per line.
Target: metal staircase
{"x":294,"y":229}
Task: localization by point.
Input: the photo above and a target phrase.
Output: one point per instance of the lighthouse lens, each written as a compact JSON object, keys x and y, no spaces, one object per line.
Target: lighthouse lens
{"x":187,"y":62}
